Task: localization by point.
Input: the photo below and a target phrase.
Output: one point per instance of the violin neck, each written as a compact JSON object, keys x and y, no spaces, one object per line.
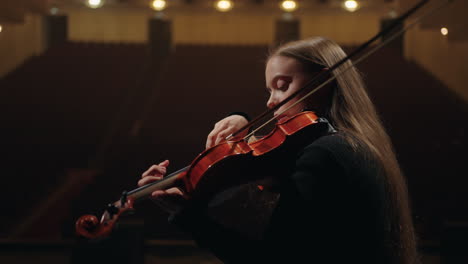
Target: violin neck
{"x":172,"y":180}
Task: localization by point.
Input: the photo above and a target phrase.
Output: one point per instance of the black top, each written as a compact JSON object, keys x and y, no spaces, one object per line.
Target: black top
{"x":330,"y":210}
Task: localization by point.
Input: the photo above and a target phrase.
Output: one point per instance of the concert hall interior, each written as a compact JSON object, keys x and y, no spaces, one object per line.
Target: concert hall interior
{"x":93,"y":92}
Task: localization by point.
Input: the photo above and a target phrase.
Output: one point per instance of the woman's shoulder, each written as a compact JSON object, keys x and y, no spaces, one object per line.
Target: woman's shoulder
{"x":337,"y":149}
{"x":324,"y":152}
{"x":333,"y":143}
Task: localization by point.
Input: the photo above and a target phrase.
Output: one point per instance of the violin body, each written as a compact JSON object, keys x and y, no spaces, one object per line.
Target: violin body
{"x":236,"y":162}
{"x":225,"y":165}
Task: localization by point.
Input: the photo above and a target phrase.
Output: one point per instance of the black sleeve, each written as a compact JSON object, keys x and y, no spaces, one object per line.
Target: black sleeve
{"x":316,"y":168}
{"x":225,"y":243}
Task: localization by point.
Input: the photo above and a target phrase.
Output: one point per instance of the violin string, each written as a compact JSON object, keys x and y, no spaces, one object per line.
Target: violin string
{"x":360,"y":59}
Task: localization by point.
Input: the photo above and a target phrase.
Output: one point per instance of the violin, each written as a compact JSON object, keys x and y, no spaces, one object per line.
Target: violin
{"x":227,"y":164}
{"x":236,"y":161}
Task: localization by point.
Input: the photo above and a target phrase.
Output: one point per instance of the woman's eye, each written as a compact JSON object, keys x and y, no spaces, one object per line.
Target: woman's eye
{"x":282,"y":84}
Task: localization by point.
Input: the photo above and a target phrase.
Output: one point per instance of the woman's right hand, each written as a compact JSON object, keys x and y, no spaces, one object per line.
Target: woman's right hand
{"x":224,"y":128}
{"x":172,"y":199}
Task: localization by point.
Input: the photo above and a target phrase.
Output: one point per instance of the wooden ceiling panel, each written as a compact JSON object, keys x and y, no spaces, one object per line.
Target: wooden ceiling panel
{"x":39,"y":6}
{"x":12,"y":11}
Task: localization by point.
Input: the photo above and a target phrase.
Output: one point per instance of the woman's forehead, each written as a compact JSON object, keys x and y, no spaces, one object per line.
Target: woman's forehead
{"x":281,"y":65}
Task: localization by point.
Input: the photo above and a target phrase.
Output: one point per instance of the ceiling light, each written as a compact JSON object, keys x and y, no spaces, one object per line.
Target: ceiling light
{"x":54,"y":10}
{"x":224,"y":5}
{"x":288,"y":5}
{"x":351,"y":5}
{"x":444,"y":31}
{"x":158,"y":5}
{"x":94,"y":3}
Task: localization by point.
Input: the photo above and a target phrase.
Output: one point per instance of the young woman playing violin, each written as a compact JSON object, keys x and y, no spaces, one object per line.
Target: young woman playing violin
{"x":345,"y":200}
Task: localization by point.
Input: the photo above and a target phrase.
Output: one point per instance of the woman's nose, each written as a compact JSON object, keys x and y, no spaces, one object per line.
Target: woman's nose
{"x":271,"y":101}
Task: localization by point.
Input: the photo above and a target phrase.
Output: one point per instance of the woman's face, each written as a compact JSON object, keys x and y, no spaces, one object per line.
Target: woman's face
{"x":284,"y":76}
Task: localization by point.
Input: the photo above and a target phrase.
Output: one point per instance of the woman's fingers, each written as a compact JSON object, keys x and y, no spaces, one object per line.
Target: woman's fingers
{"x":154,"y":173}
{"x":158,"y":193}
{"x":170,"y":200}
{"x":159,"y":169}
{"x":171,"y":192}
{"x":175,"y":192}
{"x":154,"y":170}
{"x":148,"y":179}
{"x":164,"y":163}
{"x":222,"y":135}
{"x":211,"y":139}
{"x":224,"y":128}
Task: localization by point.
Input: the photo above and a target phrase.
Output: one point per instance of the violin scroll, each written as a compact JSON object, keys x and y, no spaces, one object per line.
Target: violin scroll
{"x":89,"y":226}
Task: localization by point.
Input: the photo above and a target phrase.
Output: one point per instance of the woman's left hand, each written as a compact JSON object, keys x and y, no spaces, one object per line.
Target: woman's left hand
{"x":171,"y":200}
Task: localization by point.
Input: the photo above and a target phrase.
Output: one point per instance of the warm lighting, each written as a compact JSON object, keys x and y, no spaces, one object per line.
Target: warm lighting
{"x":1,"y":28}
{"x":54,"y":11}
{"x":224,"y":5}
{"x":288,"y":5}
{"x":444,"y":31}
{"x":393,"y":14}
{"x":94,"y":3}
{"x":158,"y":5}
{"x":351,"y":5}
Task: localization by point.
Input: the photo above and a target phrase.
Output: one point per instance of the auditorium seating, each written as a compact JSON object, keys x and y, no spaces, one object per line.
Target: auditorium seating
{"x":57,"y":109}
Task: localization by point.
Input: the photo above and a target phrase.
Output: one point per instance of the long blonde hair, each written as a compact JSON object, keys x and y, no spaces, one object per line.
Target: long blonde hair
{"x":351,"y":111}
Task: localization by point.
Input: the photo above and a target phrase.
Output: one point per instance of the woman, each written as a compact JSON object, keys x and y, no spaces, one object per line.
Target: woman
{"x":344,"y":201}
